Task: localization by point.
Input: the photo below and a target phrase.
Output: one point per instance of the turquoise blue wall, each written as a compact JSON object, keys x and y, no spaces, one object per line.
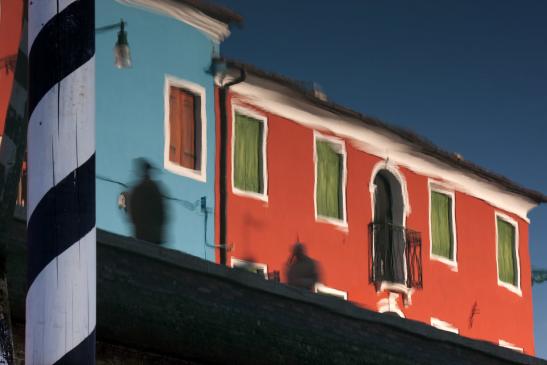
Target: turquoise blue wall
{"x":130,"y":119}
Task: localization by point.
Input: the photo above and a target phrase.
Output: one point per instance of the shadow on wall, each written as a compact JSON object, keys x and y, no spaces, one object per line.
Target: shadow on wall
{"x":146,"y":205}
{"x":302,"y":271}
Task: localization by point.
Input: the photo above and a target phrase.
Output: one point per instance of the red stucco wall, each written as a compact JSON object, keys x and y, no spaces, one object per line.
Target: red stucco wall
{"x":10,"y":32}
{"x":265,"y":231}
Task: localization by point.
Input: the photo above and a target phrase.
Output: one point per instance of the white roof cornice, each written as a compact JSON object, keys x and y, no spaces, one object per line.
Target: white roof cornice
{"x":213,"y":28}
{"x":281,"y":100}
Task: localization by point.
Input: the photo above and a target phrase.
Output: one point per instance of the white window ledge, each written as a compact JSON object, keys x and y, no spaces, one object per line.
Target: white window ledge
{"x":445,"y":326}
{"x":325,"y":290}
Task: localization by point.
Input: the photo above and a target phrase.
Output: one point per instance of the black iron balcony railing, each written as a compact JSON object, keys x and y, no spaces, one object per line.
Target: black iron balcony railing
{"x":395,"y":255}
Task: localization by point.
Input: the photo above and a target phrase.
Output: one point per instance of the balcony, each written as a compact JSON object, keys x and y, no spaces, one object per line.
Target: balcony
{"x":395,"y":256}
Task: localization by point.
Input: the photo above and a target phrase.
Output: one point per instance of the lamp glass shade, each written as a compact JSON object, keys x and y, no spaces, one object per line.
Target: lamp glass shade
{"x":122,"y":53}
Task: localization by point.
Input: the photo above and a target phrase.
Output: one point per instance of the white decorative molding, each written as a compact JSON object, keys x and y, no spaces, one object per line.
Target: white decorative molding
{"x":238,"y":109}
{"x":442,"y":325}
{"x":214,"y":29}
{"x":393,"y":169}
{"x":199,"y":91}
{"x":248,"y":265}
{"x":513,"y":288}
{"x":398,"y":288}
{"x":325,"y":290}
{"x":340,"y":147}
{"x":509,"y":345}
{"x":389,"y":304}
{"x":281,"y":100}
{"x":438,"y":187}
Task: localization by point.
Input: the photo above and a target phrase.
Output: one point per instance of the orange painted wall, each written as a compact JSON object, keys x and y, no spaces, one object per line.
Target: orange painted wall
{"x":11,"y":12}
{"x":265,"y":231}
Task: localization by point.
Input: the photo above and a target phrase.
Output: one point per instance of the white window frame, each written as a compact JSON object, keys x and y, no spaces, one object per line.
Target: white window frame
{"x":509,"y":345}
{"x":513,"y":288}
{"x":239,"y":263}
{"x":199,"y":91}
{"x":325,"y":290}
{"x":340,"y":146}
{"x":437,"y":187}
{"x":445,"y":326}
{"x":238,"y":109}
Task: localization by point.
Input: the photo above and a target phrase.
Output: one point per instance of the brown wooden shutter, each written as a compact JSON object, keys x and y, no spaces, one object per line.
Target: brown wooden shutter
{"x":182,"y":120}
{"x":174,"y":126}
{"x":188,"y":130}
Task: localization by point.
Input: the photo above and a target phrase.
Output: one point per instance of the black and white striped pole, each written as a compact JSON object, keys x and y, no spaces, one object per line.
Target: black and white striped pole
{"x":61,"y":297}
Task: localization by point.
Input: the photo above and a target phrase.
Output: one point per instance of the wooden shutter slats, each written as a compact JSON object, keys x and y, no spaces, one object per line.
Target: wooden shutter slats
{"x":174,"y":126}
{"x":188,"y":125}
{"x":182,"y":127}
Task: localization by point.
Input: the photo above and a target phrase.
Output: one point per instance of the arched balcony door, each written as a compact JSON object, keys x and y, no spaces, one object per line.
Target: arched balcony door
{"x":388,"y":230}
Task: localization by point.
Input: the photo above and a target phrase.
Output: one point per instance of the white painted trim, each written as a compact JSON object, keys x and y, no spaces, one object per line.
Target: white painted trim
{"x":440,"y":188}
{"x":445,"y":326}
{"x":513,"y":288}
{"x":238,"y":109}
{"x":340,"y":147}
{"x":394,"y":287}
{"x":197,"y":90}
{"x":389,"y":304}
{"x":212,"y":28}
{"x":392,"y":168}
{"x":285,"y":102}
{"x":398,"y":288}
{"x":509,"y":345}
{"x":244,"y":264}
{"x":325,"y":290}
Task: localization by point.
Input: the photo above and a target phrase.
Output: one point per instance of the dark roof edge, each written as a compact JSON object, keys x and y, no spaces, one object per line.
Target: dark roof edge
{"x":217,"y":12}
{"x":425,"y":146}
{"x":338,"y":307}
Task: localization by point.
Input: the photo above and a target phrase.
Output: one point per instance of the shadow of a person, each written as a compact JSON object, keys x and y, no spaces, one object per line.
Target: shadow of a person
{"x":302,"y":270}
{"x":146,"y":205}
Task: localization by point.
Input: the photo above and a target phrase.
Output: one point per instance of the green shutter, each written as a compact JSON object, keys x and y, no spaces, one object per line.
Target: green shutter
{"x":507,"y":262}
{"x":329,"y":181}
{"x":441,"y":225}
{"x":248,"y":154}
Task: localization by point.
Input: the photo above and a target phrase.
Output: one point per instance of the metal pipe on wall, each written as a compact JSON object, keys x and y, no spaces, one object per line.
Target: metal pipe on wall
{"x":223,"y":179}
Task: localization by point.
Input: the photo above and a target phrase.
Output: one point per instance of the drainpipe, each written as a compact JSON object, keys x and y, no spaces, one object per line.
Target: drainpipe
{"x":223,"y":93}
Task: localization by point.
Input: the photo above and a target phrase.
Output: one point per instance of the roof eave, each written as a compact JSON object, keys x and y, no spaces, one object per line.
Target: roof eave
{"x":426,"y":147}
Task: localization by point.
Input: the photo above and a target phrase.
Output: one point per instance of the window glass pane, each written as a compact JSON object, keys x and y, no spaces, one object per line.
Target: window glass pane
{"x":506,"y":252}
{"x":248,"y":154}
{"x":329,"y":181}
{"x":441,"y":225}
